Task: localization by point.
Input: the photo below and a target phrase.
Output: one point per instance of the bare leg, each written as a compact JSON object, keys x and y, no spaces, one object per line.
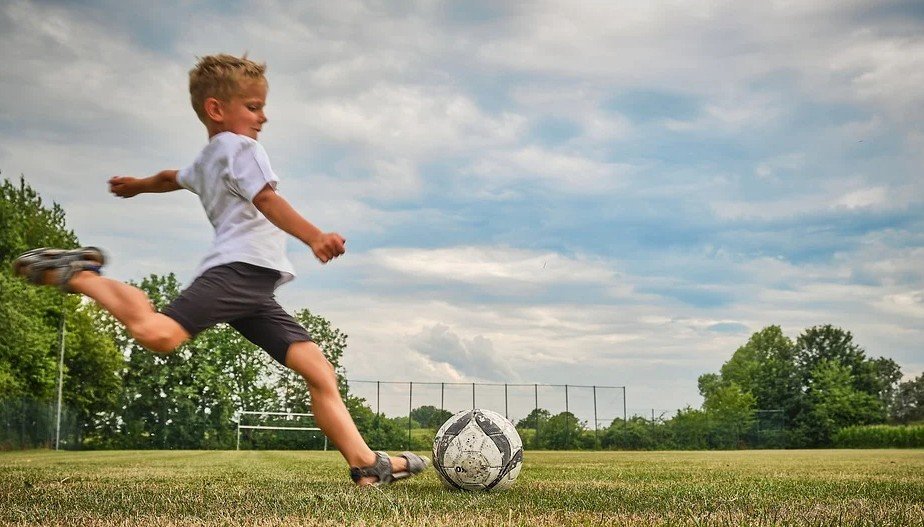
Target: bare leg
{"x":131,"y":306}
{"x":330,"y":412}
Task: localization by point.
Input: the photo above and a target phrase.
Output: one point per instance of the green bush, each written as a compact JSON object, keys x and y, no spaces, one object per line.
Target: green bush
{"x":422,"y":438}
{"x":637,"y":434}
{"x":528,"y":437}
{"x":880,"y":436}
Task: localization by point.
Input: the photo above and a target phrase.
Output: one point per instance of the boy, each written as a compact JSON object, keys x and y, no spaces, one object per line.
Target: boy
{"x":236,"y":280}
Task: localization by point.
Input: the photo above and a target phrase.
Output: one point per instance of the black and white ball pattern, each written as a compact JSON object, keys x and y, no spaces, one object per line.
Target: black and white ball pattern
{"x":477,"y":450}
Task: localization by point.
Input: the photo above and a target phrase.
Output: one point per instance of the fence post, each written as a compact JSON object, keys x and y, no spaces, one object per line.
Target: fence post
{"x":596,"y":435}
{"x":60,"y":381}
{"x":506,"y":410}
{"x":536,"y":400}
{"x":22,"y":421}
{"x":473,"y":396}
{"x":625,"y":417}
{"x":378,"y":397}
{"x":443,"y":396}
{"x":410,"y":406}
{"x":567,"y":409}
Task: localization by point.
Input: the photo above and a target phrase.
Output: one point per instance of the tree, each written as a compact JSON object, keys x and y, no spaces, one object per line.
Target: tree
{"x":766,"y":368}
{"x":708,"y":384}
{"x":637,"y":433}
{"x":379,"y":432}
{"x":26,"y":223}
{"x":30,"y":319}
{"x":876,"y":377}
{"x":430,"y":416}
{"x":786,"y":376}
{"x":908,"y":403}
{"x":92,"y":384}
{"x":881,"y":377}
{"x":290,"y":386}
{"x":832,"y":403}
{"x":561,"y":432}
{"x":842,"y":387}
{"x":690,"y":429}
{"x":190,"y":398}
{"x":29,"y":316}
{"x":731,"y":414}
{"x":330,"y":339}
{"x":536,"y":418}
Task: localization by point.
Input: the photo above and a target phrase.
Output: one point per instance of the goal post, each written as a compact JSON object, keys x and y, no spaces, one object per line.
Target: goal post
{"x":287,"y":415}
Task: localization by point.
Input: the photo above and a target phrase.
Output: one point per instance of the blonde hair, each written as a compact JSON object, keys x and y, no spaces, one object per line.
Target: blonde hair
{"x":221,"y":76}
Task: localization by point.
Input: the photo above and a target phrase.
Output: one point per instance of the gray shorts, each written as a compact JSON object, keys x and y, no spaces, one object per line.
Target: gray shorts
{"x":242,"y":295}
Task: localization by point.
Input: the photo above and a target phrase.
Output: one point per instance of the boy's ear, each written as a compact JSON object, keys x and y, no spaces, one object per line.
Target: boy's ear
{"x":214,"y":109}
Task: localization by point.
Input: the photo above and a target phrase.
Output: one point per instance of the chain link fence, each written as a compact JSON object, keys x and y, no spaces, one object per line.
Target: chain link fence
{"x":525,"y":405}
{"x":548,"y":416}
{"x":27,"y":423}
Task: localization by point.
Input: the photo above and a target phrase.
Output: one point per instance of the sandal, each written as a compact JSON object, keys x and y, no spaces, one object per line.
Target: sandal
{"x":62,"y":263}
{"x":382,"y":468}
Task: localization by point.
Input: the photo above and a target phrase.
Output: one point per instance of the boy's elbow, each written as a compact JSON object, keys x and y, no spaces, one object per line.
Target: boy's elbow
{"x":264,"y":199}
{"x":167,"y":181}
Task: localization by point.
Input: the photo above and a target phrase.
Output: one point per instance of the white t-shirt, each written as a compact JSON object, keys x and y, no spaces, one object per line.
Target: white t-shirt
{"x":226,"y":176}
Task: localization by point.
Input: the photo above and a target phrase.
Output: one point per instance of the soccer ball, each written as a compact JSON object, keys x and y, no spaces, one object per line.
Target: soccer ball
{"x":477,"y":450}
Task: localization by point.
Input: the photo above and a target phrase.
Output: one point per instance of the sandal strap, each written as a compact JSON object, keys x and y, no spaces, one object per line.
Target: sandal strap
{"x":74,"y":268}
{"x":29,"y":258}
{"x":415,"y":465}
{"x":65,"y":271}
{"x":64,"y":263}
{"x":381,"y":469}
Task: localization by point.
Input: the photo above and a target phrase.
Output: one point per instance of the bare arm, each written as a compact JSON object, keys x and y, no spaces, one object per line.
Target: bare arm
{"x":325,"y":245}
{"x":126,"y":186}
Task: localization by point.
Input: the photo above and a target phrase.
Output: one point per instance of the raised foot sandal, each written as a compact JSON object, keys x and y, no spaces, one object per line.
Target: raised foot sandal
{"x":382,"y":468}
{"x":57,"y":266}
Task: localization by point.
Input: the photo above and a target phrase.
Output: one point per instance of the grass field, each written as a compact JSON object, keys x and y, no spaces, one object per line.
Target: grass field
{"x":208,"y":488}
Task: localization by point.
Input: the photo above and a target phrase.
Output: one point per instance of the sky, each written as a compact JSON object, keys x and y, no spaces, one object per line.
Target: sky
{"x":586,"y":193}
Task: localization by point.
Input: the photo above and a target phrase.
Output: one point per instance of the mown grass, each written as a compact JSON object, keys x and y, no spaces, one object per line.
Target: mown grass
{"x":212,"y":488}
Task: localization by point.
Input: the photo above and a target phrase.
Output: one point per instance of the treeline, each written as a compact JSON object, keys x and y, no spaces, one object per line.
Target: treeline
{"x":819,"y":390}
{"x":819,"y":383}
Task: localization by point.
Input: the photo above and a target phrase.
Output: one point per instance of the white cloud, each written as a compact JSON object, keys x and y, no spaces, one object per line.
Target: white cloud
{"x":730,"y":114}
{"x":496,"y":268}
{"x":561,"y":172}
{"x":472,"y":358}
{"x":863,"y":198}
{"x":885,"y":71}
{"x":910,"y":304}
{"x":707,"y":47}
{"x":410,"y":119}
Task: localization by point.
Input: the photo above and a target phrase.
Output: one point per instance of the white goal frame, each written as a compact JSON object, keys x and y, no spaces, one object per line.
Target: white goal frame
{"x":265,"y":427}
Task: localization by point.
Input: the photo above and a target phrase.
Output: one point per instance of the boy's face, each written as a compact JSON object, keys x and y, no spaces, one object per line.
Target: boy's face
{"x":243,"y":114}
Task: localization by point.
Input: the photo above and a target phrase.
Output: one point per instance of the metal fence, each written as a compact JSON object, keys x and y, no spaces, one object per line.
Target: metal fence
{"x":595,"y":406}
{"x":27,"y":423}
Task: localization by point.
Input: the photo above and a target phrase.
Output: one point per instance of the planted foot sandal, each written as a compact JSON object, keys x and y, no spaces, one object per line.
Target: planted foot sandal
{"x":382,"y":468}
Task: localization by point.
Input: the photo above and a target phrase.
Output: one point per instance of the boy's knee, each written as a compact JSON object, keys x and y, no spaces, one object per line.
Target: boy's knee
{"x":309,"y":361}
{"x":158,"y":337}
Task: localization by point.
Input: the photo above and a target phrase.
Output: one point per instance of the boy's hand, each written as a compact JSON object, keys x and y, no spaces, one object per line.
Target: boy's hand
{"x":328,"y":246}
{"x":124,"y":186}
